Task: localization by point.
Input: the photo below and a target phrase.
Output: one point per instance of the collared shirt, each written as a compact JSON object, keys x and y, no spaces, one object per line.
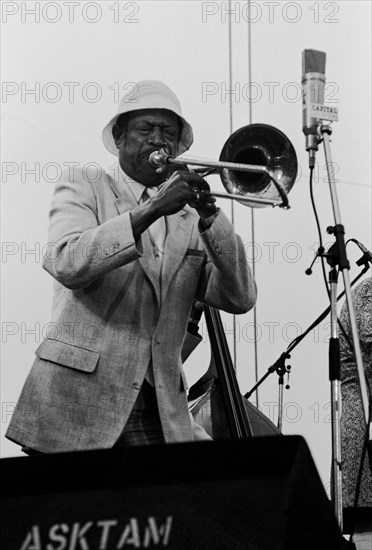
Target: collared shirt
{"x":157,"y":230}
{"x":136,"y":187}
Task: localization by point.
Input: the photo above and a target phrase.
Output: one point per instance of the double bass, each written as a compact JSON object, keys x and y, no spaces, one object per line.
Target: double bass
{"x":215,"y":399}
{"x":257,"y":166}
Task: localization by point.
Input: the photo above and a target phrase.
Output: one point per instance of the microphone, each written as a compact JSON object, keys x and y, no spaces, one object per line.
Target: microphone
{"x":367,"y":255}
{"x":313,"y":83}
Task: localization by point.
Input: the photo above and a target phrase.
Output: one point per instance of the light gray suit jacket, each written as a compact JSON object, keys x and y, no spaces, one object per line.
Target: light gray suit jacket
{"x":110,"y":316}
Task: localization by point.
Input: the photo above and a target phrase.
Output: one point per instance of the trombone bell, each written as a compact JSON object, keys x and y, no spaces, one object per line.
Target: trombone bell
{"x":264,"y":145}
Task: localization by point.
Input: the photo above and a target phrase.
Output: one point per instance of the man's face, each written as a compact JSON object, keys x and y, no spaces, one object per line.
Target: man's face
{"x":145,"y":131}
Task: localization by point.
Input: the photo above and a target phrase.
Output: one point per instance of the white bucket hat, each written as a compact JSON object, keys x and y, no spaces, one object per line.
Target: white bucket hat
{"x":149,"y":94}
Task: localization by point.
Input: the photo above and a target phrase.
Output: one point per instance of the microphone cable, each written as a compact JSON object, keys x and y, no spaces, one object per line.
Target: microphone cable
{"x":321,"y":247}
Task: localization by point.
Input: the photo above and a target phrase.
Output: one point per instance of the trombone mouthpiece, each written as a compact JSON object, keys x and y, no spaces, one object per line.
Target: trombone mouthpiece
{"x":157,"y":158}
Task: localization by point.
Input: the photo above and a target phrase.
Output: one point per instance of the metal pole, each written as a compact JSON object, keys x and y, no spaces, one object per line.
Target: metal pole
{"x":334,"y":377}
{"x":334,"y":358}
{"x":344,"y":268}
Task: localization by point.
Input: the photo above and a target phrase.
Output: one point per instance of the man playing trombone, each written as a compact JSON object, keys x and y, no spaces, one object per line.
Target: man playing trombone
{"x":130,"y":255}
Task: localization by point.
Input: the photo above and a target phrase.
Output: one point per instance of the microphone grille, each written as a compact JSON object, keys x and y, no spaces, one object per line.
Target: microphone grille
{"x":313,"y":61}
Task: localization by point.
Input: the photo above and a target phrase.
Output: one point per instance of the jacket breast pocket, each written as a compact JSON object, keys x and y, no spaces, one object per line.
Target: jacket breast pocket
{"x":189,"y":274}
{"x":68,"y":355}
{"x":195,"y":252}
{"x":194,"y":260}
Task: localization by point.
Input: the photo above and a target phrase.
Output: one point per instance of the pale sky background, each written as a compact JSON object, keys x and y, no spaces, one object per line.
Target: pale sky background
{"x":80,"y":59}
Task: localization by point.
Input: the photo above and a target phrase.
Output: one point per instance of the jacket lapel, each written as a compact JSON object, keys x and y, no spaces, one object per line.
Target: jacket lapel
{"x":125,"y":200}
{"x":149,"y":265}
{"x":176,"y":244}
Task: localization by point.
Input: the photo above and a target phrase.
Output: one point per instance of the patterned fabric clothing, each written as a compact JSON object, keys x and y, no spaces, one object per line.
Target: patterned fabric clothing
{"x":143,"y":426}
{"x":82,"y":387}
{"x":352,"y":419}
{"x":157,"y":229}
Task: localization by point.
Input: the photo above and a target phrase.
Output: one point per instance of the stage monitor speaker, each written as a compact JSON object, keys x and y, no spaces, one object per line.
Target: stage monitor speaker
{"x":252,"y":494}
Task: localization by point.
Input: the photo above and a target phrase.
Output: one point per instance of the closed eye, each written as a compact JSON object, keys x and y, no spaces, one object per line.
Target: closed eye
{"x":143,"y":129}
{"x":170,"y":133}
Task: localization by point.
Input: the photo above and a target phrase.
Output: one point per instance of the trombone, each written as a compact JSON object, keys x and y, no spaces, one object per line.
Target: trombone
{"x":257,"y":166}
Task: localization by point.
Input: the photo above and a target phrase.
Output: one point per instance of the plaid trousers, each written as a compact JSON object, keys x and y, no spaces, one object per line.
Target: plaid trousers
{"x":143,"y":426}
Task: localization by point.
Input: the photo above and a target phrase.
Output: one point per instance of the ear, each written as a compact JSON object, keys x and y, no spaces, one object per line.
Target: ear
{"x":118,"y":135}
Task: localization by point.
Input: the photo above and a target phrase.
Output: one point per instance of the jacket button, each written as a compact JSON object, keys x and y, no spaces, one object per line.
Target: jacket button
{"x":136,"y":386}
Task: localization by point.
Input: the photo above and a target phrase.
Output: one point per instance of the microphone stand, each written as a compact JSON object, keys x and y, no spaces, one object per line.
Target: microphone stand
{"x":279,"y":366}
{"x":339,"y":258}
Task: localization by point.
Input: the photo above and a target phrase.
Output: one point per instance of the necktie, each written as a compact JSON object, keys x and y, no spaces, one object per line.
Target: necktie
{"x":157,"y":230}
